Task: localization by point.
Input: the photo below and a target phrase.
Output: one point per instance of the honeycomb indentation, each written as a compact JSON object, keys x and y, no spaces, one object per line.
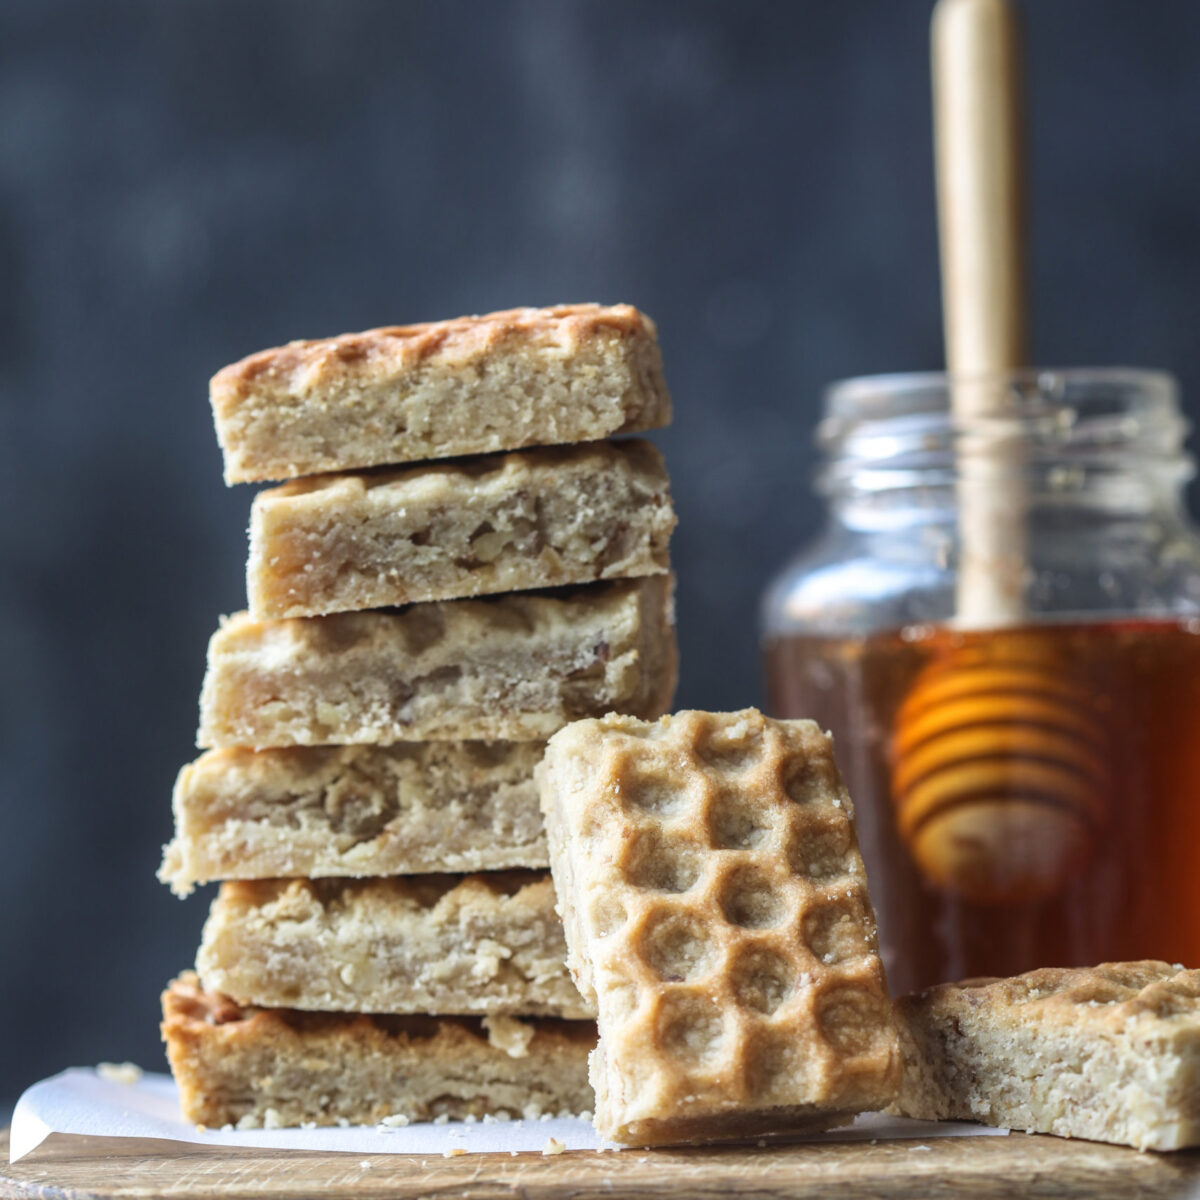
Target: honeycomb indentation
{"x":1172,"y":1004}
{"x":607,"y":916}
{"x":1187,"y":985}
{"x":853,"y":1020}
{"x":762,"y":979}
{"x":808,"y":779}
{"x":653,"y":793}
{"x":749,"y":900}
{"x":691,"y":1028}
{"x":772,"y":1065}
{"x":727,"y":751}
{"x":835,"y":931}
{"x":735,"y":822}
{"x":676,"y":947}
{"x":1096,"y":989}
{"x":1125,"y":978}
{"x":655,"y":864}
{"x":819,"y":849}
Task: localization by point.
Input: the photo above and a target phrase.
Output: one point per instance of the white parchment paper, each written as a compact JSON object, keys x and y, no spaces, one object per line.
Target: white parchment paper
{"x":81,"y":1101}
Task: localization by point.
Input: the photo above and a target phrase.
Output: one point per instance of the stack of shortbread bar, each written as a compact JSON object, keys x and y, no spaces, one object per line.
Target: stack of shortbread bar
{"x":458,"y":566}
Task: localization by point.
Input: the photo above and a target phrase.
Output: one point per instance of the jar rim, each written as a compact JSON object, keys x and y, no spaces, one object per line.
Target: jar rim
{"x":1017,"y":392}
{"x":882,"y":432}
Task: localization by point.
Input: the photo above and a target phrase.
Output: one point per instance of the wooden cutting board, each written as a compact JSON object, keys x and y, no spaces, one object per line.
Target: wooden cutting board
{"x":83,"y":1168}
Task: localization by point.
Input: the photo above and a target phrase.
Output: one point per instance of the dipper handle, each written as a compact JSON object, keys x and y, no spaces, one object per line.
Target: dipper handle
{"x":979,"y":164}
{"x":979,"y":161}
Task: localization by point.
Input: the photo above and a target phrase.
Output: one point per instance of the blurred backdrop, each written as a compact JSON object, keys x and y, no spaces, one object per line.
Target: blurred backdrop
{"x":183,"y":183}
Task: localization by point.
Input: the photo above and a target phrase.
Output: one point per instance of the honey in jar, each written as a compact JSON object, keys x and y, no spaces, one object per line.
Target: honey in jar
{"x":1029,"y":795}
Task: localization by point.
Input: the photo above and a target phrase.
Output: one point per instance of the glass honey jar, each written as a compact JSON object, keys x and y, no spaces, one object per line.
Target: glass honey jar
{"x":1027,"y":795}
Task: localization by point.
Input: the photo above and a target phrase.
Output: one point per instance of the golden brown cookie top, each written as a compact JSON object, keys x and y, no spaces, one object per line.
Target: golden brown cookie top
{"x":1109,"y":995}
{"x":316,"y":363}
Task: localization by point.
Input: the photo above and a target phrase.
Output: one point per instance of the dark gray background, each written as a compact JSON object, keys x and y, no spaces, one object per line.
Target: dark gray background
{"x":182,"y":183}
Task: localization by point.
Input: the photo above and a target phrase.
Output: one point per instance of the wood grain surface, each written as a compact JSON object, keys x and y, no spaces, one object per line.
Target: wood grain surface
{"x":84,"y":1168}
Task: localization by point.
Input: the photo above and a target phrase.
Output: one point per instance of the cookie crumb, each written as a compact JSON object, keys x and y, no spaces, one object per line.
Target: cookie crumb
{"x":553,"y":1146}
{"x":508,"y":1034}
{"x":122,"y":1072}
{"x":454,"y":1152}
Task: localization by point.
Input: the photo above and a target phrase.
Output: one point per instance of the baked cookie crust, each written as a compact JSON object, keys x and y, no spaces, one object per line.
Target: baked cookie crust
{"x":716,"y":911}
{"x":506,"y":668}
{"x":500,"y":523}
{"x":1110,"y":1053}
{"x":473,"y":385}
{"x":414,"y":808}
{"x":255,"y":1067}
{"x":435,"y":944}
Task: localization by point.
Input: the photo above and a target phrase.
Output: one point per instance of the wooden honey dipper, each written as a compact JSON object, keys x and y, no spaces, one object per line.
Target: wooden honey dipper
{"x":999,"y":774}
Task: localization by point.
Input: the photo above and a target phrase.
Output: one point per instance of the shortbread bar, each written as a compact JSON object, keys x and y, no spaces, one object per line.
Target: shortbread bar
{"x":504,"y":668}
{"x":526,"y":377}
{"x":418,"y":944}
{"x":317,"y":811}
{"x":255,"y":1067}
{"x":716,"y":911}
{"x":503,"y":523}
{"x":1110,"y":1053}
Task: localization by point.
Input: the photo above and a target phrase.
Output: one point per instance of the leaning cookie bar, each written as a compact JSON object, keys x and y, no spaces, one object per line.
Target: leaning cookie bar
{"x":716,"y":910}
{"x":501,"y":523}
{"x":505,"y":668}
{"x":524,"y":377}
{"x":489,"y":943}
{"x":320,"y":811}
{"x":254,"y":1067}
{"x":1110,"y":1053}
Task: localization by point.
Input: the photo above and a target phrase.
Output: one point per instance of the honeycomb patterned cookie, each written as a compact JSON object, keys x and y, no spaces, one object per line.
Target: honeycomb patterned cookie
{"x":716,"y":911}
{"x":1110,"y":1053}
